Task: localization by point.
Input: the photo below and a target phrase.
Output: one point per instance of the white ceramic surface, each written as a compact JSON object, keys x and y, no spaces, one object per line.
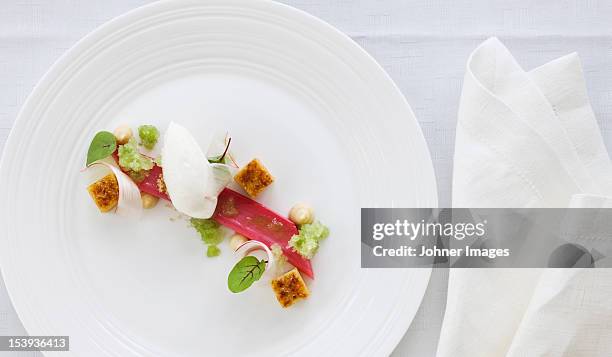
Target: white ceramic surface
{"x":321,"y":114}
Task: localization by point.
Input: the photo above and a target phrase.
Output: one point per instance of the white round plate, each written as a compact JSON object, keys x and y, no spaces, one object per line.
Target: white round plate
{"x":294,"y":92}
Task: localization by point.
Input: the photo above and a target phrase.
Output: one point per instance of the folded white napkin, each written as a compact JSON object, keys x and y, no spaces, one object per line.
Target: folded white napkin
{"x":527,"y":139}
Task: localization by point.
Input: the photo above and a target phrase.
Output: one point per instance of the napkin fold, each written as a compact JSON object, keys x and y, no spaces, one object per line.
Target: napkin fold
{"x":527,"y":139}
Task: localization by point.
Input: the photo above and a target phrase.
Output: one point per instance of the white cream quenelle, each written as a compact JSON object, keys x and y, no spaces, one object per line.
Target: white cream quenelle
{"x":192,"y":183}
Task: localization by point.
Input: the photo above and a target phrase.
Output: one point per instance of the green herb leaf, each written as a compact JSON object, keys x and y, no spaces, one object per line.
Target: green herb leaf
{"x":222,"y":158}
{"x":102,"y":146}
{"x":247,"y":271}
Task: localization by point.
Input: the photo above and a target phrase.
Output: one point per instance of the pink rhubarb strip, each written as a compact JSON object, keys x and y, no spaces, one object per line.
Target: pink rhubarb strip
{"x":254,"y":221}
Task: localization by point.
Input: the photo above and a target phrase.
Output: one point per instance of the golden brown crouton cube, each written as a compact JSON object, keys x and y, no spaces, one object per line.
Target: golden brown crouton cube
{"x":289,"y":288}
{"x":105,"y":192}
{"x":254,"y":178}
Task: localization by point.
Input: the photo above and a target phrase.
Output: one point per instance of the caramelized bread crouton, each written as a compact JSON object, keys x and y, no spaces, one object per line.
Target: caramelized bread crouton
{"x":105,"y":192}
{"x":289,"y":288}
{"x":254,"y":178}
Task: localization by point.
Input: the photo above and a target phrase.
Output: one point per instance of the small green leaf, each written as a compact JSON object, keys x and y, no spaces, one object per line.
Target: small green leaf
{"x":222,"y":159}
{"x":247,"y":271}
{"x":102,"y":146}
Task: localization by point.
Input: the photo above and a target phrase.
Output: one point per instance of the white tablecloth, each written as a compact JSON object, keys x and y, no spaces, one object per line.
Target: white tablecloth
{"x":423,"y":44}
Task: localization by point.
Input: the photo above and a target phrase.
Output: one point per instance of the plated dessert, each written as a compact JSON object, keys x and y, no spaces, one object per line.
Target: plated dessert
{"x":195,"y":183}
